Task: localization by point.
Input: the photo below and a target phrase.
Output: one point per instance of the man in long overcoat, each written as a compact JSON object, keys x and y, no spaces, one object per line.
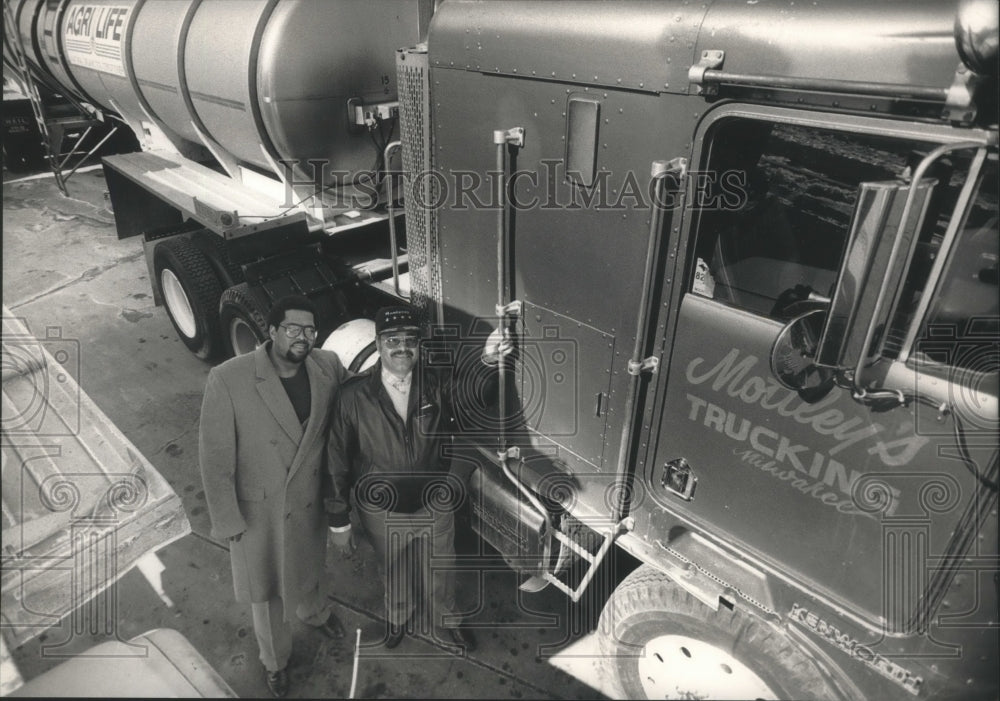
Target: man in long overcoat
{"x":262,"y":438}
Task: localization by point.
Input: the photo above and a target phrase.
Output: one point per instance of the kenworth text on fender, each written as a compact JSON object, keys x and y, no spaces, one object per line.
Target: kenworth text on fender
{"x":746,"y":254}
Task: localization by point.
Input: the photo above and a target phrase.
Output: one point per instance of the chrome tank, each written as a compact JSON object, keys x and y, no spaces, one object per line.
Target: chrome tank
{"x":267,"y":80}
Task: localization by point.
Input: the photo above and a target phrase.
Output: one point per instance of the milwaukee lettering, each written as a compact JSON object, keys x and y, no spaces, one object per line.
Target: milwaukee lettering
{"x":733,"y":376}
{"x":863,"y":653}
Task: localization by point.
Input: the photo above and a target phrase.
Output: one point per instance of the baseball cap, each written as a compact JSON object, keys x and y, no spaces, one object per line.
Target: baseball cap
{"x":396,"y":319}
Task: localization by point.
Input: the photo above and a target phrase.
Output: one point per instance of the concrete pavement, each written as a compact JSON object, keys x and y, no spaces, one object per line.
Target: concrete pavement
{"x":64,"y":267}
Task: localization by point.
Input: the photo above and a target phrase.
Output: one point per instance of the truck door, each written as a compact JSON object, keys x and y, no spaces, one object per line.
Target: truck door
{"x":850,"y":499}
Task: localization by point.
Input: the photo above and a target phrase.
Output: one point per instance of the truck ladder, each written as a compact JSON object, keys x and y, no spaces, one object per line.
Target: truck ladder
{"x":51,"y":139}
{"x":610,"y":534}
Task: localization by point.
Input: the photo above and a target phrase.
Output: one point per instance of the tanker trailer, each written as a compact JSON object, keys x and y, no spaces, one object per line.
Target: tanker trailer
{"x":264,"y":126}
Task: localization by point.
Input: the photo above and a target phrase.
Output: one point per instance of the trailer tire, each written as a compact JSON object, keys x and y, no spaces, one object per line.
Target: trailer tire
{"x":658,"y":641}
{"x":354,"y":343}
{"x":214,"y":248}
{"x":191,"y":291}
{"x":243,"y":313}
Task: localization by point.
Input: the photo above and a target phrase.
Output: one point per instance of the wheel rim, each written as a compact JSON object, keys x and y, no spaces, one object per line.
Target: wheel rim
{"x":243,"y":337}
{"x":676,"y":666}
{"x":354,"y":344}
{"x":178,"y":303}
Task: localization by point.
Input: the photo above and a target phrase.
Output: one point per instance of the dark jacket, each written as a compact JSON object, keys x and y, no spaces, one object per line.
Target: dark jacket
{"x":390,"y":462}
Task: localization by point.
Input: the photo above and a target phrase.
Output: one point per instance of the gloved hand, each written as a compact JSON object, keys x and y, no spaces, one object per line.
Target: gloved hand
{"x":497,"y":346}
{"x":343,"y":541}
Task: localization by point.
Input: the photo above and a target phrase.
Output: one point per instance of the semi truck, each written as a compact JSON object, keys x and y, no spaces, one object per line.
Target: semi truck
{"x":745,"y":254}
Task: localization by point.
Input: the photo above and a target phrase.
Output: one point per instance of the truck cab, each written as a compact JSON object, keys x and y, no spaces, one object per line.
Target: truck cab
{"x":744,"y":256}
{"x":747,"y":256}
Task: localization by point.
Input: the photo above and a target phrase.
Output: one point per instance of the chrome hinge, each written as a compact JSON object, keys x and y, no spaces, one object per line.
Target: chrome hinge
{"x":513,"y":136}
{"x":637,"y":367}
{"x":711,"y":59}
{"x":513,"y":310}
{"x":677,"y":167}
{"x":959,"y":101}
{"x":512,"y":453}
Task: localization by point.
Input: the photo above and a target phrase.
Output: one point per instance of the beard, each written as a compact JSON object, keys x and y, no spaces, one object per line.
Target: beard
{"x":297,"y":353}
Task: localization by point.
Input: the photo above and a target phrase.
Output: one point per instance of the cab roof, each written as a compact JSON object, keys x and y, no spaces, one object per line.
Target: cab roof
{"x":650,"y":46}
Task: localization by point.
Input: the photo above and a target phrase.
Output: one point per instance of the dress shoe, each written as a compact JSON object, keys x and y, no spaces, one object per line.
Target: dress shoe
{"x":395,"y":636}
{"x":277,"y":682}
{"x":462,"y":637}
{"x":332,"y":628}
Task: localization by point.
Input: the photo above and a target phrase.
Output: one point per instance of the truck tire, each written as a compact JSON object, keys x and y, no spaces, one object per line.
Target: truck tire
{"x":354,"y":343}
{"x":191,"y":292}
{"x":658,"y":641}
{"x":243,"y":315}
{"x":214,"y":248}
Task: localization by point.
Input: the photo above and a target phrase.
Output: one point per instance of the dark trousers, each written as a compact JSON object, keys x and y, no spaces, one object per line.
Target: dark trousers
{"x":417,"y":556}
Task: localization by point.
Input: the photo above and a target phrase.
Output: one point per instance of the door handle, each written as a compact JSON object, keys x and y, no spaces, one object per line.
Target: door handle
{"x":678,"y":478}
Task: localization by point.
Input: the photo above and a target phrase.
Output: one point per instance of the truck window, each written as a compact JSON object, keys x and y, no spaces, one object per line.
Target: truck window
{"x":774,"y":209}
{"x":962,"y":327}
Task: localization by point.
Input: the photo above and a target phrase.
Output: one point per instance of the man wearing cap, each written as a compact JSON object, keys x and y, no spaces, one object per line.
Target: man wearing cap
{"x":386,"y":436}
{"x":261,"y":444}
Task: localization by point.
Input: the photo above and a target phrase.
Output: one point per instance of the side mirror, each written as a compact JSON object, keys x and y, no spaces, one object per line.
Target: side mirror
{"x":887,"y":220}
{"x":793,"y":357}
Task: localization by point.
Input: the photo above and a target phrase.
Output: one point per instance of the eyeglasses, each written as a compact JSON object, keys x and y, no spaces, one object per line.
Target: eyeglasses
{"x":294,"y":331}
{"x":399,"y":341}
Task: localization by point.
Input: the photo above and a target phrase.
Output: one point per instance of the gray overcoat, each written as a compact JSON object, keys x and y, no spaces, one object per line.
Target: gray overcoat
{"x":262,"y":473}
